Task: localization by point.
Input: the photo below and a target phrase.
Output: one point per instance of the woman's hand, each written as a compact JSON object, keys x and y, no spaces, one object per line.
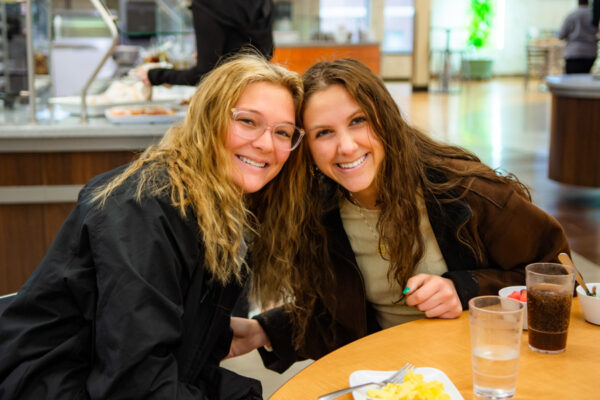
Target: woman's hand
{"x":434,"y":295}
{"x":142,"y":75}
{"x":247,"y":336}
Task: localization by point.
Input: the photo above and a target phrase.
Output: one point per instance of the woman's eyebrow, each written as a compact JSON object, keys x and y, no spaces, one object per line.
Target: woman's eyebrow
{"x":355,"y":113}
{"x":312,"y":128}
{"x":263,"y":116}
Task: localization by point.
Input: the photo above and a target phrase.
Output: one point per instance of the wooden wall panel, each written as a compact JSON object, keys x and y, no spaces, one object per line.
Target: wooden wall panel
{"x":27,"y":230}
{"x":575,"y":141}
{"x":22,"y":169}
{"x":22,"y":244}
{"x":300,"y":58}
{"x":78,"y":168}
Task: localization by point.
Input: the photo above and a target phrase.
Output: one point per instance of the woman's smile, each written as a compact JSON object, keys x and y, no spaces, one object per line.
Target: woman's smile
{"x":251,"y":162}
{"x":353,"y":164}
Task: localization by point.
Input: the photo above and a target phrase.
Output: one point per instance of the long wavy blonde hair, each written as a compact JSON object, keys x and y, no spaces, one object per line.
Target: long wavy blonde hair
{"x":410,"y":159}
{"x":194,"y":158}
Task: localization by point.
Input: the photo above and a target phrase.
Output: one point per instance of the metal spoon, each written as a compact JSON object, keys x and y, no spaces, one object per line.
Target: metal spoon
{"x":566,"y":260}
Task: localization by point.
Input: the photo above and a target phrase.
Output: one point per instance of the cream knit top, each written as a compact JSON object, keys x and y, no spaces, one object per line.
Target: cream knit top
{"x":360,"y":226}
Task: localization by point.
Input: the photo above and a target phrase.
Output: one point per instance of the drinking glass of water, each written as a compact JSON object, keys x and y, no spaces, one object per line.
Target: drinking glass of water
{"x":496,"y":330}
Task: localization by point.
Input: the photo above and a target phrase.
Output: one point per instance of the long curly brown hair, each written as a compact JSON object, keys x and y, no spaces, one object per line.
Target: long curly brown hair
{"x":198,"y":167}
{"x":410,"y":158}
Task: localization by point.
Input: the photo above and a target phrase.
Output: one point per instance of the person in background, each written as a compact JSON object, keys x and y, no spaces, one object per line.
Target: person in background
{"x":133,"y":298}
{"x":401,"y":227}
{"x":582,"y":41}
{"x":596,"y":13}
{"x":222,"y":28}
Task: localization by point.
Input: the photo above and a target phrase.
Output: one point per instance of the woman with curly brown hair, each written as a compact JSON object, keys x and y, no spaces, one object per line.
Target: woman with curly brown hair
{"x":404,"y":227}
{"x":133,"y":299}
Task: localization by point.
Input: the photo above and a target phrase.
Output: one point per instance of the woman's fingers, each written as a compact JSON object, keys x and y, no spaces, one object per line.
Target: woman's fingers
{"x":434,"y":295}
{"x":436,"y":307}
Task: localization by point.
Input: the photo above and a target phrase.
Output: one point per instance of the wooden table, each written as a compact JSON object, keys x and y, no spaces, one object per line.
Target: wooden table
{"x":445,"y":344}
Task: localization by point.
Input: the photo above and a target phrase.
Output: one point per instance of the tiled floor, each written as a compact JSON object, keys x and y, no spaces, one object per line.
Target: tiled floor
{"x":251,"y":365}
{"x":508,"y":127}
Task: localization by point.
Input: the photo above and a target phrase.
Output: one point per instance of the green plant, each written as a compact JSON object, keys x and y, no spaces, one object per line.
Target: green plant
{"x":480,"y":25}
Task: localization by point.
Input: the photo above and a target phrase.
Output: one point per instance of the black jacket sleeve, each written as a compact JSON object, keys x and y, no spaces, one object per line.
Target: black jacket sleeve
{"x":210,"y":45}
{"x":278,"y":328}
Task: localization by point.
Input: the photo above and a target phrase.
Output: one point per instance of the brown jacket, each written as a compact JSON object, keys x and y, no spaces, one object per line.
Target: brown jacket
{"x":514,"y":233}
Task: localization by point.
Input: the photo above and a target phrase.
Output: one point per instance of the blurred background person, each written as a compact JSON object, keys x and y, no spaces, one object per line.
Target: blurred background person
{"x":582,"y":41}
{"x":222,"y":28}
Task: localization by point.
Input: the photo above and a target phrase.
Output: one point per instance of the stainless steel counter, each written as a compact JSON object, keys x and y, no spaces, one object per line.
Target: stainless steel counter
{"x":70,"y":134}
{"x":61,"y":132}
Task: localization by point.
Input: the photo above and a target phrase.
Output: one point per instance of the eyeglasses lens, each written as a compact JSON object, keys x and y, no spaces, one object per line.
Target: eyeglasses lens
{"x":249,"y":125}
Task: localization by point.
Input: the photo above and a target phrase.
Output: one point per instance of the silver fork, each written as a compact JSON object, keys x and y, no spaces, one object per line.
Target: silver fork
{"x":397,"y":377}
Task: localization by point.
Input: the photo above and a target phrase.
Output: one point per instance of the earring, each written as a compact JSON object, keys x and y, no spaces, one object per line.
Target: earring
{"x":314,"y":171}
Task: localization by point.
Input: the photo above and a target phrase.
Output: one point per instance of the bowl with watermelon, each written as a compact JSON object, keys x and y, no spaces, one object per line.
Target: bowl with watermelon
{"x":518,"y":293}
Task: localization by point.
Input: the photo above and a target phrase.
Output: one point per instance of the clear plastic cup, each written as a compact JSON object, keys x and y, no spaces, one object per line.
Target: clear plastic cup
{"x":549,"y":298}
{"x":496,"y":330}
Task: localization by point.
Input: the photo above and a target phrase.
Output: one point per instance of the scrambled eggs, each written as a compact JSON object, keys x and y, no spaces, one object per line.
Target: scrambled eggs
{"x":413,"y":388}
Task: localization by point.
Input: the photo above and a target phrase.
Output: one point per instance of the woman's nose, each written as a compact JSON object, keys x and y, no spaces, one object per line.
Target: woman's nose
{"x":347,"y":144}
{"x":264,"y":141}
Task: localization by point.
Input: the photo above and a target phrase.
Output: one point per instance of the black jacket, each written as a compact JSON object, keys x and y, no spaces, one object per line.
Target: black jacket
{"x":514,"y":233}
{"x":121,"y":307}
{"x":222,"y":28}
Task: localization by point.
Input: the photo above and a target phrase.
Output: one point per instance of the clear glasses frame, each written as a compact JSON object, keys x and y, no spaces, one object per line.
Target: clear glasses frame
{"x":251,"y":125}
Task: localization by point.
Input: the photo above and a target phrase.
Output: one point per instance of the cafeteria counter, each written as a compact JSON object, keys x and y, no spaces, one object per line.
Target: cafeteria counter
{"x":575,"y":129}
{"x":42,"y":169}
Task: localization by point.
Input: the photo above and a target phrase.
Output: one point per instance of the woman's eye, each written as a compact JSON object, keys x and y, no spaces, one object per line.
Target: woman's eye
{"x":246,"y":121}
{"x":284,"y":133}
{"x":358,"y":121}
{"x":322,"y":132}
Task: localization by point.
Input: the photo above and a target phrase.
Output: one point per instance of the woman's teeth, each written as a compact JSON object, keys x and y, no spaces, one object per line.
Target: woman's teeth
{"x":254,"y":163}
{"x":353,"y":164}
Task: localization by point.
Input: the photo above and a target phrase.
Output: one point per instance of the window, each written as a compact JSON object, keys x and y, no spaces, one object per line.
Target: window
{"x":346,"y":20}
{"x":398,"y":26}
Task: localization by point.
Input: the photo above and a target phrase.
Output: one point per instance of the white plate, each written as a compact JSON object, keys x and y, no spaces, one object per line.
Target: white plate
{"x":72,"y":104}
{"x":96,"y":105}
{"x":429,"y":374}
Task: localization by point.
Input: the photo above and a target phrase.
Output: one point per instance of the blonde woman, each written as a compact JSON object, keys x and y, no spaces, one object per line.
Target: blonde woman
{"x":133,"y":299}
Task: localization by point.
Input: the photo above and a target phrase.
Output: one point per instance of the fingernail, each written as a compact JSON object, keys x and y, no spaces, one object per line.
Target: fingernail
{"x":406,"y":290}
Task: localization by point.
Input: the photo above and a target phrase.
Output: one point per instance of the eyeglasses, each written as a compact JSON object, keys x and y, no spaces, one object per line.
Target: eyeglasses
{"x":251,"y":125}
